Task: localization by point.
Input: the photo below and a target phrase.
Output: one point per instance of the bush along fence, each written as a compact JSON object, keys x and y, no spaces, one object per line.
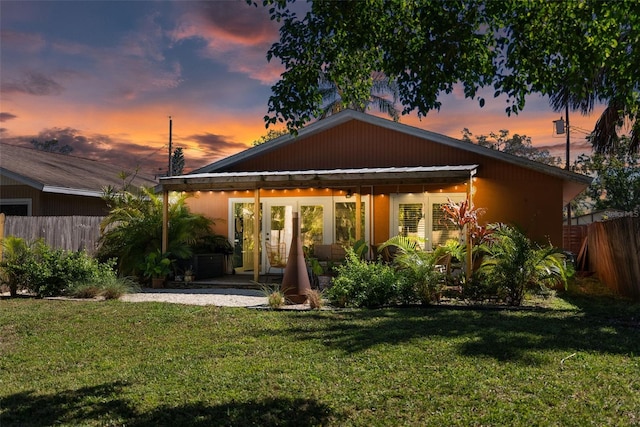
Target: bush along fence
{"x":614,"y":254}
{"x":71,"y":233}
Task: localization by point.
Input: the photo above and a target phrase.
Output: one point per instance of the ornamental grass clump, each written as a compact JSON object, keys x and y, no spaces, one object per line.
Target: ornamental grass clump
{"x":314,"y":298}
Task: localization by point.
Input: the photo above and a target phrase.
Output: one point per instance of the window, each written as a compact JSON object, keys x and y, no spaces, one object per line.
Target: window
{"x":441,"y":229}
{"x":16,"y":207}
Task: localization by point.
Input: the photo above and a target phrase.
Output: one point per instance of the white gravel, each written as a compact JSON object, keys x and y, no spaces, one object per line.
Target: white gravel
{"x":219,"y":297}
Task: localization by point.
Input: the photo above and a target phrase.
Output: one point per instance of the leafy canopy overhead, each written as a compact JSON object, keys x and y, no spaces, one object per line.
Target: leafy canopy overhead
{"x":577,"y":52}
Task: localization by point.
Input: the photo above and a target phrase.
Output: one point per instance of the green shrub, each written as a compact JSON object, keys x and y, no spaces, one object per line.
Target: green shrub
{"x":45,"y":271}
{"x":362,"y":283}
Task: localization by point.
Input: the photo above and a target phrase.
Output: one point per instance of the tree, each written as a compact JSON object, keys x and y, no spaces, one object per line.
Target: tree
{"x":616,"y":183}
{"x":272,"y":134}
{"x":518,"y":145}
{"x":177,"y":161}
{"x":588,"y":49}
{"x":51,"y":146}
{"x":381,"y":87}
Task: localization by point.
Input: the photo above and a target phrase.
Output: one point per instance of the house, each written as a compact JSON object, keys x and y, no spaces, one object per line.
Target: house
{"x":39,"y":183}
{"x":355,"y":176}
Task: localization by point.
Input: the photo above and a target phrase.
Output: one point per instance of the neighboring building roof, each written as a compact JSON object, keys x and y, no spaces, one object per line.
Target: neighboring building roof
{"x":62,"y":173}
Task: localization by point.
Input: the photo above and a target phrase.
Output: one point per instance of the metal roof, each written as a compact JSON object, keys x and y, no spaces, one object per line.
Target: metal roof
{"x":347,"y":115}
{"x":317,"y":178}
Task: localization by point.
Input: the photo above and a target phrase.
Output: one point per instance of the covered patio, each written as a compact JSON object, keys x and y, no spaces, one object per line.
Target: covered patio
{"x":375,"y":185}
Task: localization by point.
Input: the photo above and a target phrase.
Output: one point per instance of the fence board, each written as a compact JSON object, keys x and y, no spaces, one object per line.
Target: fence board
{"x":614,"y":254}
{"x":70,"y":233}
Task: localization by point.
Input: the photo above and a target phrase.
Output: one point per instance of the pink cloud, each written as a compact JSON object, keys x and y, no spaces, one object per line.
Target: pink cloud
{"x":20,"y":41}
{"x":234,"y":34}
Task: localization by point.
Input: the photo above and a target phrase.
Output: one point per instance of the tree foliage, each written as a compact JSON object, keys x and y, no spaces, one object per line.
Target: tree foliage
{"x":383,"y":97}
{"x":271,"y":134}
{"x":51,"y":146}
{"x":518,"y":145}
{"x":177,"y":161}
{"x":579,"y":52}
{"x":616,"y":183}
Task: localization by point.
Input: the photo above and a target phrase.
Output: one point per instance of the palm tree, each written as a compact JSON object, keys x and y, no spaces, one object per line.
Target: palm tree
{"x":381,"y":87}
{"x":517,"y":265}
{"x":604,"y":137}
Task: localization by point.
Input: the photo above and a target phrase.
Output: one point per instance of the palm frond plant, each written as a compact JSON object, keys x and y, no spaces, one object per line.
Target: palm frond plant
{"x":133,"y":228}
{"x":422,"y":280}
{"x":516,"y":265}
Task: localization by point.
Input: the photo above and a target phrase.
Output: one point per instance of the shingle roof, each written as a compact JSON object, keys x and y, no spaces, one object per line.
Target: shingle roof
{"x":61,"y":173}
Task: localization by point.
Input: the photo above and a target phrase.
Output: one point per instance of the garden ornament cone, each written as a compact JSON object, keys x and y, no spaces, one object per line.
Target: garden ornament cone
{"x":295,"y":283}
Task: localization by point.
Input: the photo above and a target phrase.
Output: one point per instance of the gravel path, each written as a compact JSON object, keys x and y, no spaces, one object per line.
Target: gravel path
{"x":219,"y":297}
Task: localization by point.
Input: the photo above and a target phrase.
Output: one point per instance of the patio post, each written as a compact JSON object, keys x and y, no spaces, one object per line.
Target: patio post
{"x":165,"y":220}
{"x":468,"y":232}
{"x":358,"y":214}
{"x":256,"y":235}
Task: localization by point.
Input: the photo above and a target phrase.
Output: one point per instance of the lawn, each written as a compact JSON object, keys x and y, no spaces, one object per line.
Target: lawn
{"x":576,"y":363}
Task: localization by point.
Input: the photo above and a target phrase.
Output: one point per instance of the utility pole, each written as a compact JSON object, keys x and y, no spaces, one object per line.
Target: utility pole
{"x":170,"y":168}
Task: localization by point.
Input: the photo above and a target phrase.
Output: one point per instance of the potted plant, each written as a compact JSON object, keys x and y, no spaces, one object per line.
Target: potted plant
{"x":156,"y":267}
{"x":321,"y":276}
{"x":188,"y":275}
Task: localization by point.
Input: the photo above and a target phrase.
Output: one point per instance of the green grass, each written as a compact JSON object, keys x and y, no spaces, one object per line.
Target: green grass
{"x":137,"y":364}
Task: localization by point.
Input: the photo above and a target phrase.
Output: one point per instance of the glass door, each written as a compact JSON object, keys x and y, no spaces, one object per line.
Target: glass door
{"x":243,"y":235}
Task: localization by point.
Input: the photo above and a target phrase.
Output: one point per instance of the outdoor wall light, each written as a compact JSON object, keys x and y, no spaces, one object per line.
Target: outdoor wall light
{"x":349,"y":194}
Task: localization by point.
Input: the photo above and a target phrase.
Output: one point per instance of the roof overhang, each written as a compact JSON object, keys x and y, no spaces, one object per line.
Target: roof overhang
{"x":49,"y":188}
{"x":317,"y":178}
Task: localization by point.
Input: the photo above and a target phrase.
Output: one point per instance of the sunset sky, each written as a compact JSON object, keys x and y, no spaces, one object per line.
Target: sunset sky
{"x":104,"y":77}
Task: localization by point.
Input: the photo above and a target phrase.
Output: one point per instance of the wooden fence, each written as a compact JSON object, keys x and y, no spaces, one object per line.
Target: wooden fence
{"x":573,"y":237}
{"x":614,"y":254}
{"x":61,"y":232}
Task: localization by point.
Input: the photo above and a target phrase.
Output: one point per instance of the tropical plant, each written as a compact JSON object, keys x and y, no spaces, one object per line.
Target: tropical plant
{"x":465,"y":217}
{"x":133,"y":228}
{"x":517,"y":265}
{"x":156,"y":265}
{"x":15,"y":264}
{"x":422,"y":281}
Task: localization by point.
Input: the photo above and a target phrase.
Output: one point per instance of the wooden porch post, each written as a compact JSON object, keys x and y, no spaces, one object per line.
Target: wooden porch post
{"x":165,"y":221}
{"x":358,"y":214}
{"x":2,"y":217}
{"x":256,"y":235}
{"x":468,"y":233}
